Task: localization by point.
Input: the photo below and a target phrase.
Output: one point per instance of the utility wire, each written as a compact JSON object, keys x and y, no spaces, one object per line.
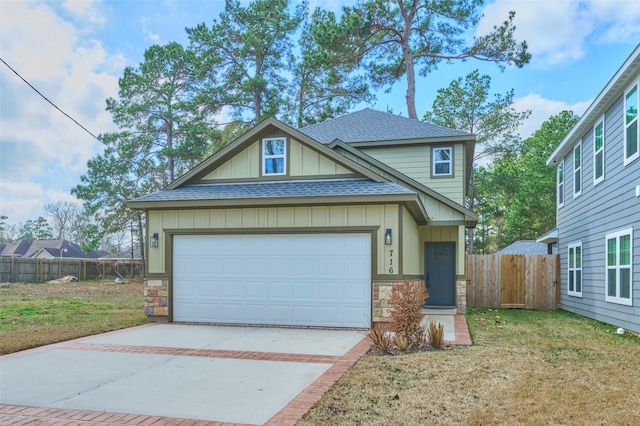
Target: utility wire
{"x":54,"y":105}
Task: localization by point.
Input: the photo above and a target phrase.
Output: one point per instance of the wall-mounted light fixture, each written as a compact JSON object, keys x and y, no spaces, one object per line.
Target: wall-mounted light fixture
{"x":387,"y":237}
{"x":154,"y":240}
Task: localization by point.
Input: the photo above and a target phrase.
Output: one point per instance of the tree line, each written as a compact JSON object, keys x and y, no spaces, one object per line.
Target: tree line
{"x":274,"y":58}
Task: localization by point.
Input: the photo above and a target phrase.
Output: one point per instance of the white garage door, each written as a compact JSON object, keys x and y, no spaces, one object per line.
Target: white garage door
{"x":301,"y":280}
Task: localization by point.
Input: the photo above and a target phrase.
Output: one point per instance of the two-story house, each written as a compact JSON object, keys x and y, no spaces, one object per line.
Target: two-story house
{"x":312,"y":226}
{"x":598,"y":205}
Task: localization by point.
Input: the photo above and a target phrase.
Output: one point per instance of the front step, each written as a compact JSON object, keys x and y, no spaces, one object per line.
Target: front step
{"x":445,"y":310}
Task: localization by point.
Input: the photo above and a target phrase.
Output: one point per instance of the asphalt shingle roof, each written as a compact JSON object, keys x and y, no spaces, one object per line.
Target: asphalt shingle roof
{"x":320,"y":188}
{"x":29,"y":248}
{"x":525,"y":247}
{"x":370,"y":125}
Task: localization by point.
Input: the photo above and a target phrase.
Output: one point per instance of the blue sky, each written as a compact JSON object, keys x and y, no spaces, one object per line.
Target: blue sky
{"x":75,"y":51}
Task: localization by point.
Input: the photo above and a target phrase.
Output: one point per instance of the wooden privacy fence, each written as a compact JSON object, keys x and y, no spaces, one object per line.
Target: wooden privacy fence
{"x":513,"y":281}
{"x":24,"y":269}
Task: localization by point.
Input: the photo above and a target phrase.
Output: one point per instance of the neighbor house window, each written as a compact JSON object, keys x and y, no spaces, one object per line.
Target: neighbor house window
{"x":598,"y":152}
{"x":274,"y":157}
{"x":575,"y":270}
{"x":442,"y":162}
{"x":577,"y":170}
{"x":631,"y":143}
{"x":561,"y":184}
{"x":619,"y":252}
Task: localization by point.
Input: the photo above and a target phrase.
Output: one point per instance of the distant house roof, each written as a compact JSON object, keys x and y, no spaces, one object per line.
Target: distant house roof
{"x":550,"y":237}
{"x":369,"y":125}
{"x":55,"y":248}
{"x":525,"y":247}
{"x":16,"y":248}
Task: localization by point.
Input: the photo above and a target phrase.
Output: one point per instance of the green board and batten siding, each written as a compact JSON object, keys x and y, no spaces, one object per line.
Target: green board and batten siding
{"x":302,"y":161}
{"x":286,"y":218}
{"x":415,"y":162}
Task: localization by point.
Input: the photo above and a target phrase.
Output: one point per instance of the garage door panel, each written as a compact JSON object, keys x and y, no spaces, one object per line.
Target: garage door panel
{"x":256,"y":290}
{"x":304,"y":292}
{"x":279,"y":313}
{"x":279,"y":290}
{"x":305,"y":280}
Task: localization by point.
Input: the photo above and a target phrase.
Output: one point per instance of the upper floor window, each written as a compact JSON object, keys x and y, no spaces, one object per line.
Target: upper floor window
{"x":631,"y":146}
{"x":561,"y":184}
{"x":442,"y":161}
{"x":619,"y":251}
{"x":575,"y":269}
{"x":274,"y":157}
{"x":577,"y":170}
{"x":598,"y":152}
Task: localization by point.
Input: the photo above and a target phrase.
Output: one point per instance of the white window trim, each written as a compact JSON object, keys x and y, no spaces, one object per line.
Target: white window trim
{"x":596,"y":179}
{"x":560,"y":185}
{"x":434,"y":162}
{"x":571,"y":270}
{"x":617,"y":299}
{"x":629,"y":160}
{"x":577,"y":170}
{"x":267,"y":157}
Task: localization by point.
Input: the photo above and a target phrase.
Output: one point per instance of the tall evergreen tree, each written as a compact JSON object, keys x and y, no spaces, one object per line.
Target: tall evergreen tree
{"x":467,"y":105}
{"x":36,"y":229}
{"x":325,"y":81}
{"x":157,"y":108}
{"x":243,"y":58}
{"x":515,"y":195}
{"x":406,"y":38}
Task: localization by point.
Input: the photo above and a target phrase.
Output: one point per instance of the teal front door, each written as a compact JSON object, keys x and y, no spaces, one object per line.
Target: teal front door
{"x":440,"y":261}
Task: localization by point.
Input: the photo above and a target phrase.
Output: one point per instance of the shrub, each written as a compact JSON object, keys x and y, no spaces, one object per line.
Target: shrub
{"x":421,"y":339}
{"x":403,"y":343}
{"x":380,"y":338}
{"x":406,"y":303}
{"x":436,"y":335}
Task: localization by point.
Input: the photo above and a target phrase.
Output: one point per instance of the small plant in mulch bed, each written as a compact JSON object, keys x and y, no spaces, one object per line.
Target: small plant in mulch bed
{"x":380,"y":338}
{"x":436,"y":335}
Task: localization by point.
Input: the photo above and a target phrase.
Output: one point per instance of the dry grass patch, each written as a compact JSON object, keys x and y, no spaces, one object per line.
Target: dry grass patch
{"x":33,"y":315}
{"x":526,"y":367}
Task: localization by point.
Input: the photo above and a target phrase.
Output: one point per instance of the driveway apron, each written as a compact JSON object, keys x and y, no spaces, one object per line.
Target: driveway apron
{"x":167,"y":373}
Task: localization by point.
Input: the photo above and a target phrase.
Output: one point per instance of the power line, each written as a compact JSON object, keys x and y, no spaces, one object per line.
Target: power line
{"x":54,"y":105}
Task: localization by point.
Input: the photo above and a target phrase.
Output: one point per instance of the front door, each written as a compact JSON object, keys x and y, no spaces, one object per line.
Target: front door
{"x":440,"y":273}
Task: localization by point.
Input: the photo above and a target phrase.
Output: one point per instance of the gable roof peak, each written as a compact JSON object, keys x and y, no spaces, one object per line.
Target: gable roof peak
{"x":370,"y":125}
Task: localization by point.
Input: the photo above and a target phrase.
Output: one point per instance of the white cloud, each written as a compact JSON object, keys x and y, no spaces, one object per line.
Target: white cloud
{"x":86,"y":11}
{"x":558,"y":32}
{"x":542,"y":109}
{"x":38,"y":143}
{"x":25,"y":200}
{"x":148,"y":34}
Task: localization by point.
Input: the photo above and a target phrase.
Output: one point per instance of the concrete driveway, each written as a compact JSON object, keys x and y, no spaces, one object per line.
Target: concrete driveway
{"x":167,"y":373}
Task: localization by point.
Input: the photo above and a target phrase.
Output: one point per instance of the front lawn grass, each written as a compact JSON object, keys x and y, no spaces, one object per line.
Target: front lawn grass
{"x":33,"y":315}
{"x":525,"y":367}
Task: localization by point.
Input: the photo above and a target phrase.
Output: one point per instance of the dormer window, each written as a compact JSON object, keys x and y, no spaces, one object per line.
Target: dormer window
{"x":442,"y":162}
{"x":274,"y":157}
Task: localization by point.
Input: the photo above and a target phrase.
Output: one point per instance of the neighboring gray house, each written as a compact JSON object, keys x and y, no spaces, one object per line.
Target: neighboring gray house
{"x":598,"y":199}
